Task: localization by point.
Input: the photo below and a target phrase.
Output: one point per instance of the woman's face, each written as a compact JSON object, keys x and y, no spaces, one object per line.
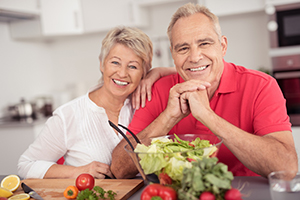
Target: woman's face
{"x":122,"y":71}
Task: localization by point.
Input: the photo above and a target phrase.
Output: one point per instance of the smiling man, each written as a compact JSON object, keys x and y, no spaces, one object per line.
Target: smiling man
{"x":208,"y":95}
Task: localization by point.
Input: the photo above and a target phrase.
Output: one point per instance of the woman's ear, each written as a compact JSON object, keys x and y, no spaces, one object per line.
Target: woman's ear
{"x":101,"y":67}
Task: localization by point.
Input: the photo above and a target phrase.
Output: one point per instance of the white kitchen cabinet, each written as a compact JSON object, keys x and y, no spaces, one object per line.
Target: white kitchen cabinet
{"x":15,"y":139}
{"x":22,"y":6}
{"x":72,"y":17}
{"x":231,"y":7}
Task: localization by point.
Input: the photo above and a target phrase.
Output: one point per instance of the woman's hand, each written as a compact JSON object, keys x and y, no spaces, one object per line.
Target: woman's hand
{"x":143,"y":91}
{"x":96,"y":169}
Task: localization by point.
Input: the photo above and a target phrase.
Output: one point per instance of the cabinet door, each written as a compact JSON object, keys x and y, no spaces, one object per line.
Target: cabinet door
{"x":27,"y":6}
{"x":102,"y":15}
{"x":61,"y":17}
{"x":230,"y":7}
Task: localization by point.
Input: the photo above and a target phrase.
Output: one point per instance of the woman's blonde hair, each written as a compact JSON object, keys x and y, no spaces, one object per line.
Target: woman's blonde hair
{"x":132,"y":38}
{"x":190,"y":9}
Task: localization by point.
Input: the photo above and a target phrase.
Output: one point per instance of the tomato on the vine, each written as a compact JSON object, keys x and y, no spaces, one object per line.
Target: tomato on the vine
{"x":84,"y":181}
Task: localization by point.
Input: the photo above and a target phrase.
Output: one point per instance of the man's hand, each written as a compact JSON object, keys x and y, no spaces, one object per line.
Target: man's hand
{"x":178,"y":103}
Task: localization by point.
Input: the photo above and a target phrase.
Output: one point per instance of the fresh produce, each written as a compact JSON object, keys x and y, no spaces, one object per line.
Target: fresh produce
{"x":85,"y":181}
{"x":233,"y":194}
{"x":207,"y":196}
{"x":172,"y":156}
{"x":96,"y":194}
{"x":22,"y":196}
{"x":158,"y":192}
{"x":205,"y":176}
{"x":3,"y":198}
{"x":5,"y":192}
{"x":71,"y":192}
{"x":11,"y":182}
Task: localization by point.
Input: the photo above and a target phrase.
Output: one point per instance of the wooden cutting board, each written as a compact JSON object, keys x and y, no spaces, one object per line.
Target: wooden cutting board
{"x":54,"y":188}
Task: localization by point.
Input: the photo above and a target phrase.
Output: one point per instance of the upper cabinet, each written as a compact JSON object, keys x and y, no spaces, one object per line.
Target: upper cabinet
{"x":13,"y":10}
{"x":72,"y":17}
{"x":281,"y":2}
{"x":232,"y":7}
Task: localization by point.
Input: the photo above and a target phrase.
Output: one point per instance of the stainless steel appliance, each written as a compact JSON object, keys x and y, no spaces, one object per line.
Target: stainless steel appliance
{"x":284,"y":25}
{"x":286,"y":70}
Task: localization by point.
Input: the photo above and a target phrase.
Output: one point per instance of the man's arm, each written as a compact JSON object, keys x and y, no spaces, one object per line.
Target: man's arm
{"x":261,"y":154}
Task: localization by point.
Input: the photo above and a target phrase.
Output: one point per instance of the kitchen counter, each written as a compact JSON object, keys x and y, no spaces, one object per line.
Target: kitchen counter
{"x":20,"y":124}
{"x":252,"y":188}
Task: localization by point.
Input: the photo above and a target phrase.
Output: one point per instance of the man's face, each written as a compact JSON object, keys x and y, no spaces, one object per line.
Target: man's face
{"x":196,"y":50}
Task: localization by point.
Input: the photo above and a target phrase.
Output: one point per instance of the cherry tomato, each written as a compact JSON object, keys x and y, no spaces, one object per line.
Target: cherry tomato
{"x":84,"y":181}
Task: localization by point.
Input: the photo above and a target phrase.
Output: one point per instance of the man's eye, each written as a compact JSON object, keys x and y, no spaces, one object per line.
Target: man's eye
{"x":204,"y":44}
{"x":183,"y":50}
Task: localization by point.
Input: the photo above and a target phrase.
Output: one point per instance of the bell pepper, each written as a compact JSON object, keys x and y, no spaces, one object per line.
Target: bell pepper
{"x":71,"y":192}
{"x":157,"y":191}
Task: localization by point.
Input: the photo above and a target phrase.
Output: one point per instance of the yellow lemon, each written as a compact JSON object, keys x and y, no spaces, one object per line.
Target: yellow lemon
{"x":11,"y":182}
{"x":5,"y":192}
{"x":22,"y":196}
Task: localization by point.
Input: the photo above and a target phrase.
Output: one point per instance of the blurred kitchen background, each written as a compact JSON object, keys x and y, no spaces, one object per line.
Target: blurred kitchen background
{"x":49,"y":53}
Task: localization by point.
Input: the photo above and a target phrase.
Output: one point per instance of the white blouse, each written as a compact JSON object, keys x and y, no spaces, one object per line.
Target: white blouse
{"x":79,"y":131}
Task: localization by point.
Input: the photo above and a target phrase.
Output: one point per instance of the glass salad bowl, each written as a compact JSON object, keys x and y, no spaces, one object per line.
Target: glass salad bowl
{"x":162,"y":159}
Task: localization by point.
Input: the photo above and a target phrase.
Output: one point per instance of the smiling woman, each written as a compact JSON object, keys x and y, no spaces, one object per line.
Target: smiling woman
{"x":79,"y":130}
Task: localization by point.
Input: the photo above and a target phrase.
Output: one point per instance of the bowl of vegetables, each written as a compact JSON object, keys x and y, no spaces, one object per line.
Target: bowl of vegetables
{"x":163,"y":159}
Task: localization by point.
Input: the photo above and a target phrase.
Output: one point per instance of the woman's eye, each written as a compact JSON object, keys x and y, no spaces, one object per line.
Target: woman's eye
{"x":132,"y":67}
{"x":115,"y":62}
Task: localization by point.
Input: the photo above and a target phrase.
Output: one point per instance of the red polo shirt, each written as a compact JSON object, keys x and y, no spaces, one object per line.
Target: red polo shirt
{"x":248,"y":99}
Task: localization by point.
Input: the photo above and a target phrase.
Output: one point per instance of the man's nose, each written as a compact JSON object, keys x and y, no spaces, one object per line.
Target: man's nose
{"x":195,"y":55}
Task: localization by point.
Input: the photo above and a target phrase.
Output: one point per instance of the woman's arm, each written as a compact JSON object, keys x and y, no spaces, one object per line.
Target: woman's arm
{"x":143,"y":91}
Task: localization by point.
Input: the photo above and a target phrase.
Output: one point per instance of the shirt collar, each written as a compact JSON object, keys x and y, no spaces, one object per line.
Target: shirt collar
{"x":228,"y":81}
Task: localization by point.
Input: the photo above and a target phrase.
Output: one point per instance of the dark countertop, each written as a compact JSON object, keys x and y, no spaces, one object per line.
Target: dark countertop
{"x":252,"y":188}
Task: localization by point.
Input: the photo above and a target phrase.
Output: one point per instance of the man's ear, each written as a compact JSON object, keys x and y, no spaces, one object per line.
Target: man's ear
{"x":224,"y":44}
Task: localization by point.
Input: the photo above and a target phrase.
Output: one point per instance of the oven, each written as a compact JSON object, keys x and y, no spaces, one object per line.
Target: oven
{"x":284,"y":29}
{"x":286,"y":70}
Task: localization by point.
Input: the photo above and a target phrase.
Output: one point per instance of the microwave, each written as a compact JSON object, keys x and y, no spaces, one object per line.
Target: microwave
{"x":284,"y":25}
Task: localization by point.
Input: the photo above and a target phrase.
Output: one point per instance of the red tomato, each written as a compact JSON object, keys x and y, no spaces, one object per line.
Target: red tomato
{"x":84,"y":181}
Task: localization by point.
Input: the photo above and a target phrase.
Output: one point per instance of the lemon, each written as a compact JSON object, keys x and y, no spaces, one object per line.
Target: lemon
{"x":11,"y":182}
{"x":22,"y":196}
{"x":5,"y":192}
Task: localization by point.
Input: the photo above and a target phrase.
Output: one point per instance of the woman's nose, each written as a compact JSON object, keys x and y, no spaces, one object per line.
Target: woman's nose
{"x":122,"y":71}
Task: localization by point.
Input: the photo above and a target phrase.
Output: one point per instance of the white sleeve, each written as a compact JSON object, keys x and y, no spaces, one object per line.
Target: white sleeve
{"x":48,"y":147}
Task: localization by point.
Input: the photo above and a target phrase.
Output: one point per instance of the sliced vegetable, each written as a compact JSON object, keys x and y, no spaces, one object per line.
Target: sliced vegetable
{"x":71,"y":192}
{"x":158,"y":191}
{"x":165,"y":155}
{"x":164,"y":179}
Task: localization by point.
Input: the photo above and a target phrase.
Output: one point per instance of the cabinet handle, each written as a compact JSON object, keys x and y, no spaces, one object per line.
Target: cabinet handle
{"x":76,"y":19}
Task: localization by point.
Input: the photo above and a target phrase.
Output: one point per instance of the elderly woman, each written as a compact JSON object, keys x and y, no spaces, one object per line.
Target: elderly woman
{"x":79,"y":130}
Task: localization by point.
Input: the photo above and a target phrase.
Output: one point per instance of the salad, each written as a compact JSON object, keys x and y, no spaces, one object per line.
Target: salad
{"x":169,"y":156}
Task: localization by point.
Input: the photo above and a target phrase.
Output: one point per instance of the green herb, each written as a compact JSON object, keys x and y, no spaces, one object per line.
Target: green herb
{"x":205,"y":175}
{"x":96,"y":194}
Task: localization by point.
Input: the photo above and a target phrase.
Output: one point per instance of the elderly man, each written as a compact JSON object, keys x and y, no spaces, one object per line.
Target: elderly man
{"x":208,"y":95}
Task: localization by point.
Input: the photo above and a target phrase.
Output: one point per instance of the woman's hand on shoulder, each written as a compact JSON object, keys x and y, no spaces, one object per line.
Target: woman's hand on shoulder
{"x":143,"y":91}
